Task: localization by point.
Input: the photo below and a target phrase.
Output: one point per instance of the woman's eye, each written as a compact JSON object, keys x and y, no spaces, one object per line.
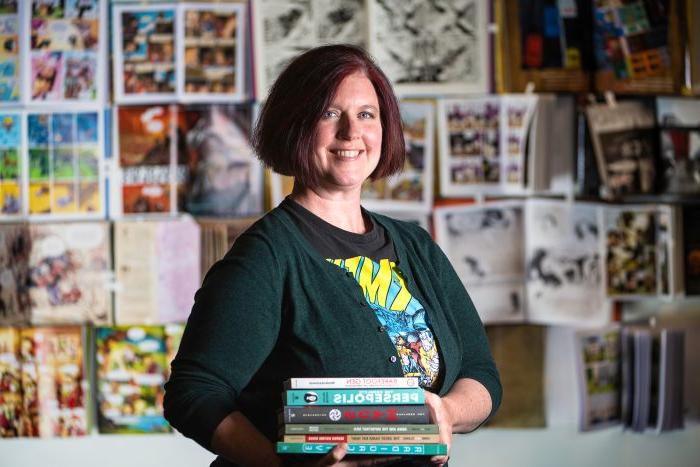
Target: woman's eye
{"x":329,"y":114}
{"x":365,"y":115}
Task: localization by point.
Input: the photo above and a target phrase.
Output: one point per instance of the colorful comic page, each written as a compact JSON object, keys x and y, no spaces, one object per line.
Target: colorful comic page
{"x":14,"y":276}
{"x":69,"y":268}
{"x":66,"y":52}
{"x":9,"y":52}
{"x":226,"y":178}
{"x":148,"y":169}
{"x":412,"y":189}
{"x":131,"y":370}
{"x":12,"y":200}
{"x":54,"y":386}
{"x":211,"y":52}
{"x":64,"y":154}
{"x":10,"y":383}
{"x":144,"y":53}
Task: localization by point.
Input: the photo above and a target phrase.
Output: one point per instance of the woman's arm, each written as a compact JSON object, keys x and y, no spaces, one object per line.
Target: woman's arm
{"x":237,"y":440}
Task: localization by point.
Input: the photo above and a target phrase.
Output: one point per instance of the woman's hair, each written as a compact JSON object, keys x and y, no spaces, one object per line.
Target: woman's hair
{"x":284,"y":135}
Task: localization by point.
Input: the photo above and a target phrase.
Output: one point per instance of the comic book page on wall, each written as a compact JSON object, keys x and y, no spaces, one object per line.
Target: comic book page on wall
{"x":131,"y":370}
{"x":285,"y":29}
{"x":225,"y":177}
{"x":10,"y":58}
{"x":484,"y":244}
{"x":144,"y":53}
{"x":69,"y":270}
{"x":66,"y":51}
{"x":431,"y":48}
{"x":412,"y":189}
{"x":64,"y":165}
{"x":212,"y":40}
{"x":12,"y":194}
{"x":679,"y":127}
{"x":15,"y":245}
{"x":564,"y":263}
{"x":54,"y":385}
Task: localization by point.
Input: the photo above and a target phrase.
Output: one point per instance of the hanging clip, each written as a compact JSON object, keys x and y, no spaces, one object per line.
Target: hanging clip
{"x":610,"y":99}
{"x":530,"y":87}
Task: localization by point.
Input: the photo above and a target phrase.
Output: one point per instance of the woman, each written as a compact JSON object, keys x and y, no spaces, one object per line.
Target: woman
{"x":320,"y":287}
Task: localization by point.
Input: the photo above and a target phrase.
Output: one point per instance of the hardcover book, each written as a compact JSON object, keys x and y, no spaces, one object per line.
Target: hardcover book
{"x":347,"y":383}
{"x":336,"y":428}
{"x":131,"y":370}
{"x":366,"y":449}
{"x":348,"y":414}
{"x":397,"y":396}
{"x":363,"y":439}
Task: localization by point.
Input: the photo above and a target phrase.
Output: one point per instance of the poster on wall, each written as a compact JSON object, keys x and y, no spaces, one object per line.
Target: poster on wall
{"x":144,"y":53}
{"x":66,"y":53}
{"x":63,"y":164}
{"x":211,"y":46}
{"x":431,"y":47}
{"x":412,"y":188}
{"x":12,"y":198}
{"x":10,"y":63}
{"x":484,"y":244}
{"x":285,"y":29}
{"x":225,"y":177}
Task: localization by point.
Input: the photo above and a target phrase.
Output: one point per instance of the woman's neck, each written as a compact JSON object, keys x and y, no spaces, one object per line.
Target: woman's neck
{"x":339,"y":209}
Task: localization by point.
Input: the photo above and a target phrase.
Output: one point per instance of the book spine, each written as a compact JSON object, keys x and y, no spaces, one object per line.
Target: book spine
{"x":365,"y":448}
{"x":354,"y":414}
{"x":363,"y":439}
{"x":350,"y":383}
{"x":300,"y":429}
{"x":355,"y":396}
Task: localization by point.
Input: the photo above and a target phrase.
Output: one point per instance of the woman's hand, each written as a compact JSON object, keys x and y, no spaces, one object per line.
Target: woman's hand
{"x":440,"y":415}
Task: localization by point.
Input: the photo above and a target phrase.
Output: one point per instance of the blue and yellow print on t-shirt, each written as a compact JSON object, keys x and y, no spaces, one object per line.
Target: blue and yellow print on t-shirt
{"x":400,"y":313}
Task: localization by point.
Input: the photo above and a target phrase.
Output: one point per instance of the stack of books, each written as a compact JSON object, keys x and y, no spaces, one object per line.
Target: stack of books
{"x":374,"y":416}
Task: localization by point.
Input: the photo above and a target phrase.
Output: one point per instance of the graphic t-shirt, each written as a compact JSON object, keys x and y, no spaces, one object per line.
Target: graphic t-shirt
{"x":371,"y":259}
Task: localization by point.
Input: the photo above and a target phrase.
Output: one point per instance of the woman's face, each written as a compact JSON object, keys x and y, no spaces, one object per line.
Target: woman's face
{"x":348,"y":138}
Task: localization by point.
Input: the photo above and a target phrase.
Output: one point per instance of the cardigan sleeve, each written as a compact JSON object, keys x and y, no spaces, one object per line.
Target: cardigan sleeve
{"x":477,"y":361}
{"x":231,"y":330}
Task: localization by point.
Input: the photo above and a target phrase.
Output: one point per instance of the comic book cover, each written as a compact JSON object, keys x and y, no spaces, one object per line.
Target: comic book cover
{"x":144,"y":53}
{"x":9,"y":52}
{"x":213,"y":40}
{"x":412,"y":189}
{"x":69,"y":267}
{"x":54,"y":385}
{"x":146,"y":148}
{"x":225,"y":177}
{"x":632,"y":255}
{"x":131,"y":371}
{"x":564,"y":267}
{"x":65,"y":50}
{"x":431,"y":47}
{"x":64,"y":153}
{"x":679,"y":128}
{"x":552,"y":41}
{"x":11,"y":198}
{"x":637,"y":46}
{"x":470,"y":151}
{"x":10,"y":383}
{"x":598,"y":355}
{"x":285,"y":29}
{"x":15,"y":245}
{"x":624,"y":139}
{"x":173,"y":336}
{"x":484,"y":244}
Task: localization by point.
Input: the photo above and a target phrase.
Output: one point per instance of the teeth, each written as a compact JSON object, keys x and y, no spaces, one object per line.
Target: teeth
{"x":348,"y":154}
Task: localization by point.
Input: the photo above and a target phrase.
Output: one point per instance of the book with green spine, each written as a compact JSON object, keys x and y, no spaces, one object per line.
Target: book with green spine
{"x":365,"y":449}
{"x":355,"y":396}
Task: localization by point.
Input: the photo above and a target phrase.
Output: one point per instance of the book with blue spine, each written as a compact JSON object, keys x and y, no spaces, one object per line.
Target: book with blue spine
{"x":380,"y":396}
{"x":370,"y":449}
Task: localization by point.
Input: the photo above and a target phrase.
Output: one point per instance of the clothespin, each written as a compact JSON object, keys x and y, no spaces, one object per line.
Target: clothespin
{"x":530,"y":87}
{"x":610,"y":99}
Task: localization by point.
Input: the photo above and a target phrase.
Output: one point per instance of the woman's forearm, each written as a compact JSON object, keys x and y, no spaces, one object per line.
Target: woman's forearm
{"x":468,"y":404}
{"x":240,"y":442}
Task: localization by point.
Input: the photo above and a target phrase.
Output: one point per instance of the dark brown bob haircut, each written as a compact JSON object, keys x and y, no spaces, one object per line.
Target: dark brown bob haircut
{"x":284,"y":135}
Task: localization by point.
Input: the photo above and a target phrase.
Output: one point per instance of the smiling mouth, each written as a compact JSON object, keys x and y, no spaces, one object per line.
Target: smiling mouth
{"x":347,"y":154}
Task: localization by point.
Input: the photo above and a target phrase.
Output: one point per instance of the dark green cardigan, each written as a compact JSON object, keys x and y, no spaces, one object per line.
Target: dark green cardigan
{"x":273,"y":309}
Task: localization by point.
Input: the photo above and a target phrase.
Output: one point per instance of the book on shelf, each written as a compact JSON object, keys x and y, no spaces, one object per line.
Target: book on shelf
{"x":344,"y":428}
{"x":372,"y":449}
{"x":359,"y":396}
{"x":356,"y":414}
